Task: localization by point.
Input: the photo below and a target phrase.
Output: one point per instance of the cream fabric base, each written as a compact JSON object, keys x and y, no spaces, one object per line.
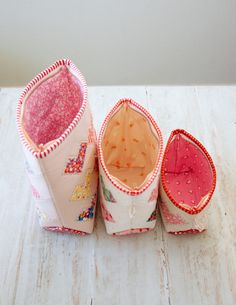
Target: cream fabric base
{"x":55,"y":188}
{"x":177,"y":220}
{"x":128,"y":212}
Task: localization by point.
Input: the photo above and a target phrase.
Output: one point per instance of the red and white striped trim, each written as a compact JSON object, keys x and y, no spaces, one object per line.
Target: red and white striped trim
{"x":34,"y":82}
{"x":100,"y":155}
{"x":190,"y":210}
{"x":191,"y":231}
{"x":133,"y":231}
{"x":65,"y":230}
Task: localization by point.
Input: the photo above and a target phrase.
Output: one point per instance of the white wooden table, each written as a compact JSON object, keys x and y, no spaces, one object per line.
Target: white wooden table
{"x":40,"y":267}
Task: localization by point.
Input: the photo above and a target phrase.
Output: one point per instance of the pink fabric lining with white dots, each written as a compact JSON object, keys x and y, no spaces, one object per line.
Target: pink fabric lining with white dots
{"x":188,"y":173}
{"x":52,"y":106}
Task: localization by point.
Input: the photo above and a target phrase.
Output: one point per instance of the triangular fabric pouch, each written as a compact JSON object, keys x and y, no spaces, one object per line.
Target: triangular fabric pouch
{"x":188,"y":180}
{"x":130,"y":149}
{"x":59,"y":141}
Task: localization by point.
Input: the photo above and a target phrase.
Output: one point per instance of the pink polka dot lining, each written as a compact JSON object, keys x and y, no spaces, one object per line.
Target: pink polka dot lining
{"x":52,"y":106}
{"x":188,"y":174}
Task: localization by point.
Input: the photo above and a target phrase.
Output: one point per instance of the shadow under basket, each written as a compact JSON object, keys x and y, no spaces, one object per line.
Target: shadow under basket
{"x":130,"y":150}
{"x":59,"y":141}
{"x":188,"y":180}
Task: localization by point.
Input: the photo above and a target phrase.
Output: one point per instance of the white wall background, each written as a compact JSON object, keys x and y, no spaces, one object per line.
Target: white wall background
{"x":120,"y":42}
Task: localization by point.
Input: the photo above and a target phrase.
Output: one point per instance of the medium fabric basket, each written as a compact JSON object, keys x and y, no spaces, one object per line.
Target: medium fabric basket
{"x":130,"y":148}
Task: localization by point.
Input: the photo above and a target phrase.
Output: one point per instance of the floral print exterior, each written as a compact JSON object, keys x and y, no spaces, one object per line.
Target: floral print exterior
{"x":89,"y":213}
{"x":75,"y":165}
{"x":82,"y":191}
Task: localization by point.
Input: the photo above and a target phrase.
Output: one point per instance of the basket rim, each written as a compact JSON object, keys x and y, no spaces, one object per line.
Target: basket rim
{"x":100,"y":154}
{"x":190,"y":210}
{"x":38,"y":78}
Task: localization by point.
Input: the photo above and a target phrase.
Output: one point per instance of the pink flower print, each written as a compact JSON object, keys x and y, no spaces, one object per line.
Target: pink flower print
{"x":153,"y":216}
{"x":75,"y":165}
{"x":91,"y":135}
{"x":154,"y":194}
{"x":169,"y":217}
{"x":106,"y":214}
{"x":35,"y":192}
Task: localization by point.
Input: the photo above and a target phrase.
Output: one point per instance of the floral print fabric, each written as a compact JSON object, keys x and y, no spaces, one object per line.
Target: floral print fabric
{"x":52,"y":106}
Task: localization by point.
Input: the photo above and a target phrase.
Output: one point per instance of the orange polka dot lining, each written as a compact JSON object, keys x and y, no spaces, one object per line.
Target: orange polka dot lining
{"x":126,"y":146}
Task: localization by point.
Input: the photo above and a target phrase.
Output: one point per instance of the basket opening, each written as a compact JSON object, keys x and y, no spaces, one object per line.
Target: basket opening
{"x":51,"y":106}
{"x":130,"y":146}
{"x":188,"y":175}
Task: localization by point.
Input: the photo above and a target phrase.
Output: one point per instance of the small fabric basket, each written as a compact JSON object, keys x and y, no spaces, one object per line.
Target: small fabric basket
{"x":188,"y":180}
{"x":59,"y":142}
{"x":130,"y":150}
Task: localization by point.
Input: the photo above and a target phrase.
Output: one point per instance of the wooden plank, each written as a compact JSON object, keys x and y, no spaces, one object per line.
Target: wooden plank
{"x":40,"y":267}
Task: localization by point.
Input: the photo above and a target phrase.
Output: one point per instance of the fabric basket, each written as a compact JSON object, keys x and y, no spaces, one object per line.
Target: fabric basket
{"x":59,"y":142}
{"x":188,"y":180}
{"x":130,"y":149}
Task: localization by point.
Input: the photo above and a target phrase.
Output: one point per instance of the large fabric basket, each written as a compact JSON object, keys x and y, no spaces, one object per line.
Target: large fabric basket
{"x":59,"y":142}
